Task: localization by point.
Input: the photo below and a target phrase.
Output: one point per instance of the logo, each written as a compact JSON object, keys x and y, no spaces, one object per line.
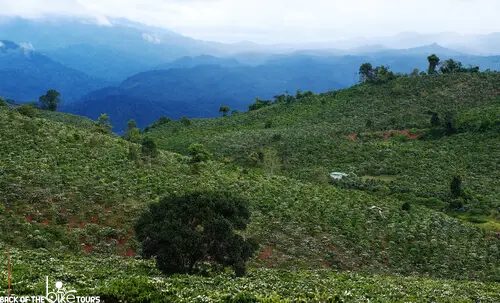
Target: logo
{"x":57,"y":294}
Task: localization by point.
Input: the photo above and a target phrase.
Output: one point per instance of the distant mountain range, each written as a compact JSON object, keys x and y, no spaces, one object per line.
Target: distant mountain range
{"x":26,"y":74}
{"x":130,"y":70}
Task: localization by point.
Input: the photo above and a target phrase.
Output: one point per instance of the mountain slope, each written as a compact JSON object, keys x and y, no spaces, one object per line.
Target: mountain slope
{"x":197,"y":87}
{"x":200,"y":91}
{"x":26,"y":74}
{"x":379,"y":133}
{"x":73,"y":189}
{"x":113,"y":50}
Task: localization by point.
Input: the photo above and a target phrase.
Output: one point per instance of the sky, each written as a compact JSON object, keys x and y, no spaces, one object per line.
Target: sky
{"x":279,"y":21}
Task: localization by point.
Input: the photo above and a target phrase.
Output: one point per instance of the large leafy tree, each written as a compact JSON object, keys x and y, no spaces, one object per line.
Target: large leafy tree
{"x":50,"y":100}
{"x":180,"y":232}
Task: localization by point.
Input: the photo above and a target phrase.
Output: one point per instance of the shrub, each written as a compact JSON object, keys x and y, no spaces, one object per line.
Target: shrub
{"x":199,"y":153}
{"x":182,"y":232}
{"x":50,"y":100}
{"x":185,"y":121}
{"x":27,"y":110}
{"x":148,"y":148}
{"x":104,"y":124}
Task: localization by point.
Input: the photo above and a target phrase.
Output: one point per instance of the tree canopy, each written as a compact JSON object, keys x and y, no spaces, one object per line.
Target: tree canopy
{"x":183,"y":231}
{"x":50,"y":100}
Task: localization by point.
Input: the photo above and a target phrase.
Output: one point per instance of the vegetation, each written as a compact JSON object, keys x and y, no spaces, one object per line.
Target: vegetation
{"x":433,"y":64}
{"x":182,"y":232}
{"x":224,"y":110}
{"x":50,"y":100}
{"x":71,"y":197}
{"x":408,"y":154}
{"x":104,"y":124}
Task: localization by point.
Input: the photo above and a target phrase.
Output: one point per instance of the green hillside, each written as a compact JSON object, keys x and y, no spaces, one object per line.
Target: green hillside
{"x":380,"y":134}
{"x":70,"y":196}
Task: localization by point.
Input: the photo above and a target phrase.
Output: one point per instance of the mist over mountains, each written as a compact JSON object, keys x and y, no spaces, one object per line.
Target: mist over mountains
{"x":130,"y":70}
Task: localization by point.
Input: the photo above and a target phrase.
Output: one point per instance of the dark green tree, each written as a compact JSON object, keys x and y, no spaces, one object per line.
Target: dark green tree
{"x":199,"y":153}
{"x":27,"y":110}
{"x":148,"y":148}
{"x":133,"y":134}
{"x":456,"y":187}
{"x":104,"y":124}
{"x":181,"y":232}
{"x":451,"y":66}
{"x":433,"y":64}
{"x":449,"y":124}
{"x":185,"y":121}
{"x":258,"y":104}
{"x":50,"y":100}
{"x":435,"y":121}
{"x":366,"y":72}
{"x":224,"y":110}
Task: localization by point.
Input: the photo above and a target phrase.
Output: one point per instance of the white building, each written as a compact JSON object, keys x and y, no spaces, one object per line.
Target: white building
{"x":338,"y":176}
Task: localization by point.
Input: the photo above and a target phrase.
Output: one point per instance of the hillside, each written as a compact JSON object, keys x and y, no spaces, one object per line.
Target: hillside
{"x":74,"y":193}
{"x":379,"y":133}
{"x":26,"y":74}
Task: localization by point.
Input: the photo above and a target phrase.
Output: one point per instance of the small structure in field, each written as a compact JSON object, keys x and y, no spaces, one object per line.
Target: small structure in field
{"x":336,"y":176}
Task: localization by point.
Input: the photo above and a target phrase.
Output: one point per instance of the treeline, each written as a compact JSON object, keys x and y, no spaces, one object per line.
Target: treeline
{"x":382,"y":74}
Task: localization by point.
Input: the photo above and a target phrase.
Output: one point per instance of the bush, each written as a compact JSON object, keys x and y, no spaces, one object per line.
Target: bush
{"x":182,"y":232}
{"x":199,"y":153}
{"x":148,"y":148}
{"x":104,"y":124}
{"x":27,"y":110}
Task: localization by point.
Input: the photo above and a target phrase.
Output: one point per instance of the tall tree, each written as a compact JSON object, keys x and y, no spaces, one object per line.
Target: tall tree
{"x":50,"y":100}
{"x":433,"y":63}
{"x":104,"y":124}
{"x":366,"y":72}
{"x":224,"y":110}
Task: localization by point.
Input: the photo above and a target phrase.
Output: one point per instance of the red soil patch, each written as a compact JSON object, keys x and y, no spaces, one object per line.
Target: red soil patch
{"x":122,"y":241}
{"x":130,"y":253}
{"x":266,"y":253}
{"x":45,"y":222}
{"x":29,"y":218}
{"x":405,"y":132}
{"x":88,"y":248}
{"x":94,"y":219}
{"x":352,"y":137}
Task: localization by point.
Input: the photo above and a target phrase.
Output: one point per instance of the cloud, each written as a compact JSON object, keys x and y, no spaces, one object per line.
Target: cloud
{"x":151,"y":38}
{"x":274,"y":21}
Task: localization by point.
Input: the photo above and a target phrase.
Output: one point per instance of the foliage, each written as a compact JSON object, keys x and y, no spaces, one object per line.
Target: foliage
{"x":433,"y":64}
{"x":181,"y":232}
{"x":199,"y":153}
{"x":70,"y":189}
{"x":224,"y":110}
{"x":27,"y":110}
{"x":104,"y":124}
{"x":148,"y":147}
{"x":133,"y":134}
{"x":329,"y":132}
{"x":451,"y":66}
{"x":50,"y":100}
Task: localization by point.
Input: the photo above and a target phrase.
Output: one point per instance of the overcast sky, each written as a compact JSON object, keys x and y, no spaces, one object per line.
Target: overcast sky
{"x":278,"y":21}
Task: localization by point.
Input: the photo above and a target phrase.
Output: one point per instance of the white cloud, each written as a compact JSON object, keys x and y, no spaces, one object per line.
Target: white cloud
{"x":274,"y":21}
{"x":151,"y":38}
